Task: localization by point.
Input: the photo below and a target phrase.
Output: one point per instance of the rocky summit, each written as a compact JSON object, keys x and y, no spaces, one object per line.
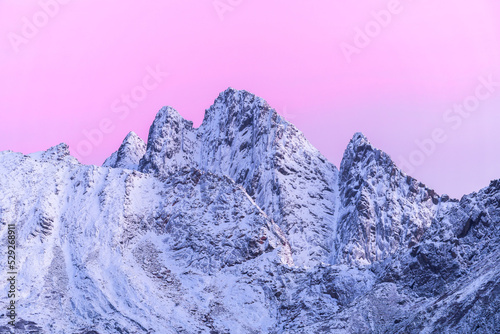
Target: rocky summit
{"x":242,"y":226}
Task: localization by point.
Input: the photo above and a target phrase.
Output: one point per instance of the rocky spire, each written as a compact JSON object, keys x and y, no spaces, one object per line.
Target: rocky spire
{"x":170,"y":143}
{"x":128,"y":155}
{"x":382,"y":209}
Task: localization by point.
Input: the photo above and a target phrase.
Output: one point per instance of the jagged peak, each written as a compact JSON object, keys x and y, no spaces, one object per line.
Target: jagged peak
{"x":358,"y":149}
{"x":166,"y":118}
{"x":360,"y":156}
{"x":359,"y":144}
{"x":132,"y":137}
{"x":232,"y":92}
{"x":61,"y":150}
{"x":168,"y":112}
{"x":231,"y":95}
{"x":58,"y":152}
{"x":360,"y":139}
{"x":168,"y":115}
{"x":361,"y":160}
{"x":239,"y":101}
{"x":128,"y":155}
{"x":495,"y":184}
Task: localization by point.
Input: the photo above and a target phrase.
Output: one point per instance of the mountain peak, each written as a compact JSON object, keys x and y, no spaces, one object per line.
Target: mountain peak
{"x":129,"y":154}
{"x":359,"y":143}
{"x":230,"y":90}
{"x":131,"y":137}
{"x":234,"y":106}
{"x":166,"y":140}
{"x":360,"y":151}
{"x":359,"y":138}
{"x":243,"y":137}
{"x":168,"y":113}
{"x":371,"y":183}
{"x":58,"y":152}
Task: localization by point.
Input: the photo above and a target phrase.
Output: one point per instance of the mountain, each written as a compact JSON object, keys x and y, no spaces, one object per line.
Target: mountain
{"x":242,"y":226}
{"x":129,"y":154}
{"x":382,"y":209}
{"x":243,"y":138}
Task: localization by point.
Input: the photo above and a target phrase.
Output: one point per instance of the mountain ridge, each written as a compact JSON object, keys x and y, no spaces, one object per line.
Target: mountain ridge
{"x":242,"y":215}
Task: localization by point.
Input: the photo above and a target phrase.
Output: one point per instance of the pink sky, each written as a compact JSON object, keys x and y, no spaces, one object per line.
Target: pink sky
{"x":71,"y":73}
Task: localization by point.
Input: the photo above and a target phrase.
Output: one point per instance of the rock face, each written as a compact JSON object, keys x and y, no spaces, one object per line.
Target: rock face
{"x":241,"y":226}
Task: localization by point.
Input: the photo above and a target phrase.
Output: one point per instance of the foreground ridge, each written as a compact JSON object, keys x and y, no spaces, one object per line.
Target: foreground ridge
{"x":243,"y":216}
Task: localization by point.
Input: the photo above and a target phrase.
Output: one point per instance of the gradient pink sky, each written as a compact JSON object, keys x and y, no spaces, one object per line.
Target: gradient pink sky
{"x":63,"y":80}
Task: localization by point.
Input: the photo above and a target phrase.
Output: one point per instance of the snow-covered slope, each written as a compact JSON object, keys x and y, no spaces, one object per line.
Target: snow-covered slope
{"x":117,"y":251}
{"x":242,"y":226}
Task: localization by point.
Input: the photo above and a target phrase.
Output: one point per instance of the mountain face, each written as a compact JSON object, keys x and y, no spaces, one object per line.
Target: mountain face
{"x":242,"y":226}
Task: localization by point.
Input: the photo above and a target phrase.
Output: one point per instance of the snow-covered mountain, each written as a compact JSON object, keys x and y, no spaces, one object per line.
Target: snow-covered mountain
{"x":242,"y":226}
{"x":382,"y":209}
{"x":243,"y":138}
{"x":129,"y":154}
